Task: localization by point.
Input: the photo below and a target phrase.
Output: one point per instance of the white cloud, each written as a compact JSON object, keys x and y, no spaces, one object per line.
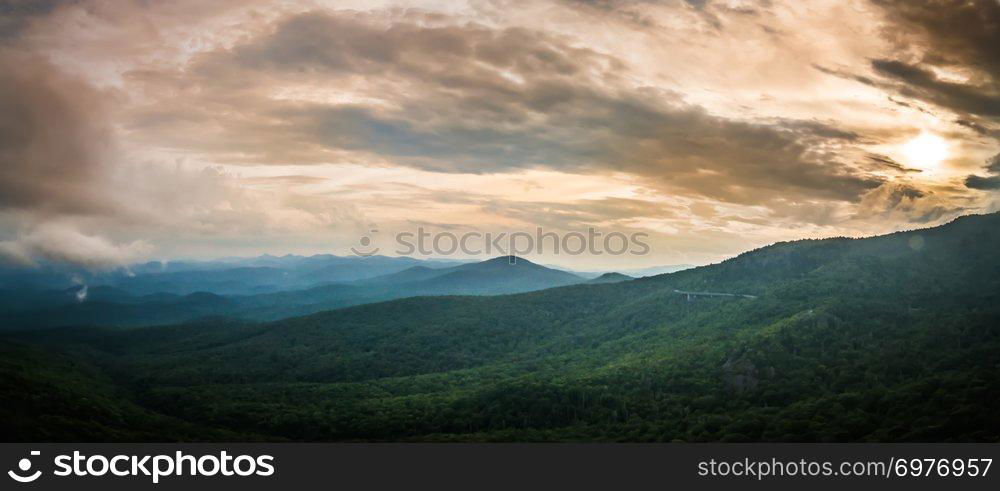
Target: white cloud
{"x":64,"y":244}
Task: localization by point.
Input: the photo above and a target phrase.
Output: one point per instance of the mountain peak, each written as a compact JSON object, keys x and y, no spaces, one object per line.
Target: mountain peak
{"x":613,"y":277}
{"x":508,"y":259}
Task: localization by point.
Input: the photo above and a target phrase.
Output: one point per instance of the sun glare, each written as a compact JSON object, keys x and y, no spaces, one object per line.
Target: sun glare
{"x":926,"y":151}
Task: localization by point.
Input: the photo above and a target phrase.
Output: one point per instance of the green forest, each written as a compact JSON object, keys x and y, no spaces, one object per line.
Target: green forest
{"x":886,"y":339}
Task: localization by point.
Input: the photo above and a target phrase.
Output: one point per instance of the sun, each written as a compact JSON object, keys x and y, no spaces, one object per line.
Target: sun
{"x":926,"y":151}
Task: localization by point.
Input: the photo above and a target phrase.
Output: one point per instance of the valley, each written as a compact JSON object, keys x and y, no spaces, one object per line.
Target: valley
{"x":828,"y":340}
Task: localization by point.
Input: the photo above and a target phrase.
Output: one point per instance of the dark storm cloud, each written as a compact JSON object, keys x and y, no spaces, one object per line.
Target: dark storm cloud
{"x":961,"y":34}
{"x":988,"y":183}
{"x":993,"y":165}
{"x":887,"y":162}
{"x":923,"y":84}
{"x":53,"y":133}
{"x":957,"y":32}
{"x":472,"y":99}
{"x":698,"y":4}
{"x":819,"y":129}
{"x":978,"y":128}
{"x":15,"y":15}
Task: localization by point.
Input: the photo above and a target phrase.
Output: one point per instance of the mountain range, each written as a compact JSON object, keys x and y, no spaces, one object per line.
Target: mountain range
{"x":132,"y":301}
{"x":226,"y":276}
{"x":889,"y":338}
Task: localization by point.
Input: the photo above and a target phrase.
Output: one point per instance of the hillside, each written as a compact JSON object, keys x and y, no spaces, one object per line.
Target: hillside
{"x":611,"y":278}
{"x":891,"y":338}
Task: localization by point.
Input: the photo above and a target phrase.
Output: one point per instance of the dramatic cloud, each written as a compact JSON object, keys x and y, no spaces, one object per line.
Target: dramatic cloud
{"x":991,"y":182}
{"x":16,"y":14}
{"x":239,"y":127}
{"x":471,"y":99}
{"x":961,"y":33}
{"x":956,"y":37}
{"x":888,"y":162}
{"x":924,"y":84}
{"x":61,"y":243}
{"x":53,"y":133}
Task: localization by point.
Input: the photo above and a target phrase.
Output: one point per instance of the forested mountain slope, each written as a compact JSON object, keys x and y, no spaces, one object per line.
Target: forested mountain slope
{"x":892,"y":338}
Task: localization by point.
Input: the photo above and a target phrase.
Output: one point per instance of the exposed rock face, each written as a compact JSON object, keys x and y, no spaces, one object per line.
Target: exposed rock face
{"x":740,"y":373}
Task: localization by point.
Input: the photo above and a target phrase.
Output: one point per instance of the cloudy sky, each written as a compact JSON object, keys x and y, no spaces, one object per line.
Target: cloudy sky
{"x":141,"y":129}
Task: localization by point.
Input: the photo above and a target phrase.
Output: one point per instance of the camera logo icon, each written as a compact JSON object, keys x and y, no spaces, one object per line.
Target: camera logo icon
{"x":25,"y":465}
{"x":366,"y":245}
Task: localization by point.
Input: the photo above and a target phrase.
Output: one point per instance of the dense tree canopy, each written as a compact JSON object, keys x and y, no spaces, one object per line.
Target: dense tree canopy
{"x":891,"y":338}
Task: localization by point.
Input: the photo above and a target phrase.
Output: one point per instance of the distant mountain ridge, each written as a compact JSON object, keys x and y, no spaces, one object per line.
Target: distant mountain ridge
{"x":131,"y":306}
{"x":227,"y":276}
